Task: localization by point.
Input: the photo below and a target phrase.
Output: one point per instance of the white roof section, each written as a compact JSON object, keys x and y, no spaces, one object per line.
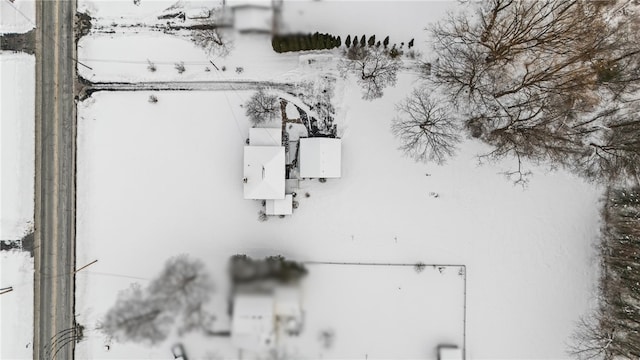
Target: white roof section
{"x":280,"y":206}
{"x":264,"y":172}
{"x":449,"y":353}
{"x":320,"y":157}
{"x":288,"y":301}
{"x":253,"y":324}
{"x":265,"y":137}
{"x":252,"y":17}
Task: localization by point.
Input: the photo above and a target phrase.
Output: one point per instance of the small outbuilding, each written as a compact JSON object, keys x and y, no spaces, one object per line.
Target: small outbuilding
{"x":320,"y":157}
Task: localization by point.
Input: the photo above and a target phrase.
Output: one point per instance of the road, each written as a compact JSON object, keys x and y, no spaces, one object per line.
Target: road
{"x":55,"y":181}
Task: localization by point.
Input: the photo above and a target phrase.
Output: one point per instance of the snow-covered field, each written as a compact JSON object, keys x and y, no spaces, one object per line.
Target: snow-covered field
{"x":18,"y":16}
{"x":155,"y":180}
{"x":16,"y":307}
{"x":17,"y":144}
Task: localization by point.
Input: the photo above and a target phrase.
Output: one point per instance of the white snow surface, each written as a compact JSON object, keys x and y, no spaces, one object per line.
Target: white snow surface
{"x":18,"y":16}
{"x":156,"y":180}
{"x":16,"y":307}
{"x":17,"y":137}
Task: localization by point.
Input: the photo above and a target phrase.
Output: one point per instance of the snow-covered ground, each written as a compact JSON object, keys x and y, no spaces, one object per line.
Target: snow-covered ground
{"x":16,"y":307}
{"x":114,"y":57}
{"x":17,"y":144}
{"x":155,"y":180}
{"x":18,"y":16}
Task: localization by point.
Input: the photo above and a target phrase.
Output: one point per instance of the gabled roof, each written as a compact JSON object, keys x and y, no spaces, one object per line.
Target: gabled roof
{"x":320,"y":157}
{"x":264,"y":172}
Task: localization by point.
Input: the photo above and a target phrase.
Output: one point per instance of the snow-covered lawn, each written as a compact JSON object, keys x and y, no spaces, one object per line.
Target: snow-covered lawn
{"x":155,"y":180}
{"x":380,"y":312}
{"x":16,"y":307}
{"x":17,"y":144}
{"x":18,"y":16}
{"x":126,"y":58}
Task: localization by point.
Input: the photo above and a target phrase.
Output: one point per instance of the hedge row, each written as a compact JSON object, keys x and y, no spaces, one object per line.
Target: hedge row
{"x":299,"y":42}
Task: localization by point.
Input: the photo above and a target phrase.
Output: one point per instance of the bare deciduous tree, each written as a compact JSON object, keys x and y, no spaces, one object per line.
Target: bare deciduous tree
{"x":213,"y":40}
{"x":262,"y":107}
{"x":589,"y":342}
{"x":427,"y":132}
{"x":135,"y":317}
{"x":374,"y":69}
{"x":531,"y":78}
{"x":178,"y":293}
{"x":183,"y":283}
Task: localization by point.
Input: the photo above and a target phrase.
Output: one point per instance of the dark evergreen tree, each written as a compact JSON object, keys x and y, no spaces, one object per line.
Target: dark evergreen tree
{"x":347,"y":41}
{"x":372,"y":40}
{"x":385,"y":42}
{"x":363,"y":40}
{"x":411,"y":44}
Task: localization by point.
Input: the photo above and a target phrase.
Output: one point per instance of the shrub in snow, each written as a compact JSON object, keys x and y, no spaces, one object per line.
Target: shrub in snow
{"x":151,"y":67}
{"x":322,"y":180}
{"x":262,"y":216}
{"x":153,"y":99}
{"x":307,"y":195}
{"x":326,"y":337}
{"x":206,"y":69}
{"x":223,"y":68}
{"x":419,"y":267}
{"x":239,"y":70}
{"x":180,"y":67}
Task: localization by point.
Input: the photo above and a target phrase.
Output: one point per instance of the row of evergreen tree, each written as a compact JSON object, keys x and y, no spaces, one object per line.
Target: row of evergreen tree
{"x":319,"y":41}
{"x":363,"y":41}
{"x":300,"y":42}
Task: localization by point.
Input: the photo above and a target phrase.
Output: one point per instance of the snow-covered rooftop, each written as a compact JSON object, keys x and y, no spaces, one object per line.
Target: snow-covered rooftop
{"x":264,"y":172}
{"x":252,"y":18}
{"x":320,"y":157}
{"x":265,"y":136}
{"x":253,"y":323}
{"x":280,"y":206}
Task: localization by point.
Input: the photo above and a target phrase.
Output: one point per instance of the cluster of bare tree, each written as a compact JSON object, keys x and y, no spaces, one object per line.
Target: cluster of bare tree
{"x":148,"y":315}
{"x":613,"y":330}
{"x":551,"y":81}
